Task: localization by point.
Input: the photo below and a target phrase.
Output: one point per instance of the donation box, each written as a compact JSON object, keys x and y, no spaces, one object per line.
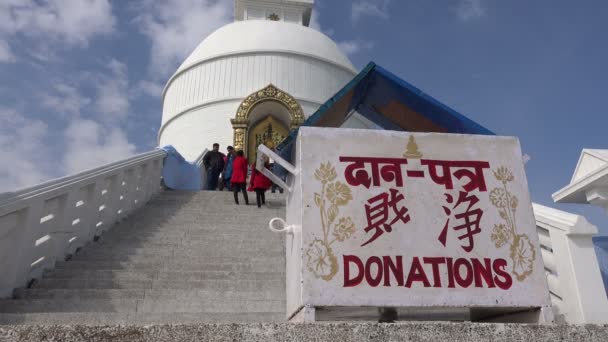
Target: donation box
{"x":412,"y":221}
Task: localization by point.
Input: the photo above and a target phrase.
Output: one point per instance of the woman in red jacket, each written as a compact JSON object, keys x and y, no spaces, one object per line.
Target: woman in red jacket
{"x":239,"y":176}
{"x":260,"y":184}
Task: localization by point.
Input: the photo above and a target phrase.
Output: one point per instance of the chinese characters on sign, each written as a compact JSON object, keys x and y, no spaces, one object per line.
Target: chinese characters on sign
{"x":377,"y":213}
{"x":389,"y":170}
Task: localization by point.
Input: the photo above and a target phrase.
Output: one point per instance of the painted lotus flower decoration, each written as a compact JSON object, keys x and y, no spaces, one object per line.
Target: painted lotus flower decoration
{"x":521,"y":249}
{"x":320,"y":258}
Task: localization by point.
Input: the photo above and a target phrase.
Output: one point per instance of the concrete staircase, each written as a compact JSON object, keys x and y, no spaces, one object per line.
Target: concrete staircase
{"x":185,"y":257}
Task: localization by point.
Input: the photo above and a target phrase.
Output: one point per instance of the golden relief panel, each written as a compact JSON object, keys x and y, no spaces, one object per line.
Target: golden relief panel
{"x":241,"y":124}
{"x":269,"y":132}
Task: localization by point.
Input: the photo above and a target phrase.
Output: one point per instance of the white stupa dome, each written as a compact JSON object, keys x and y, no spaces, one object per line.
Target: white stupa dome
{"x":237,"y":60}
{"x":258,"y":36}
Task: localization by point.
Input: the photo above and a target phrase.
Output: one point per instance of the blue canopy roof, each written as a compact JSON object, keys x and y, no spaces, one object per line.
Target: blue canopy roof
{"x":390,"y":103}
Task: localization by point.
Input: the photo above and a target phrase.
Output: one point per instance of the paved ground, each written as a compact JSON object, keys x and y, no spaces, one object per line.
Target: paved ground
{"x":335,"y":332}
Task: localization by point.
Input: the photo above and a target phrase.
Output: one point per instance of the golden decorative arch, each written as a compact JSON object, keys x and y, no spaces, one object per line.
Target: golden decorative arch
{"x":241,"y":123}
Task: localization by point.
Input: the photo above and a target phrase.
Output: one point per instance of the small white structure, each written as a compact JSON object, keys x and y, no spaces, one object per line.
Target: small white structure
{"x":589,"y":183}
{"x":252,"y":80}
{"x":573,"y":275}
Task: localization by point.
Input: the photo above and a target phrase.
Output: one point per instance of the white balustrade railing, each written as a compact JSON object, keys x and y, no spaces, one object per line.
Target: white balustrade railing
{"x":199,"y":163}
{"x":573,"y":274}
{"x":45,"y":223}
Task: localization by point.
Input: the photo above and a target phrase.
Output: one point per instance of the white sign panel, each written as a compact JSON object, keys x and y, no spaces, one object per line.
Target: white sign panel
{"x":411,"y":220}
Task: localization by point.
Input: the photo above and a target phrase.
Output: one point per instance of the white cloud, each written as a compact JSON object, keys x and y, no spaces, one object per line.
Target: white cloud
{"x":352,"y":47}
{"x":348,"y":47}
{"x":33,"y":153}
{"x":315,"y":23}
{"x":176,"y":27}
{"x":112,"y":92}
{"x":22,"y":150}
{"x":65,"y":100}
{"x":149,"y":88}
{"x":314,"y":20}
{"x":372,"y":8}
{"x":71,"y":21}
{"x":470,"y":9}
{"x":90,"y":144}
{"x":6,"y":55}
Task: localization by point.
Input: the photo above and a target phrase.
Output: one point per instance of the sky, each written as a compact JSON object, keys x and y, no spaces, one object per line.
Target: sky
{"x":81,"y":80}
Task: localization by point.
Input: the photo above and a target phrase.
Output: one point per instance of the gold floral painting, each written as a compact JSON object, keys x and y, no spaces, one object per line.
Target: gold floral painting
{"x":320,"y":258}
{"x":522,"y":251}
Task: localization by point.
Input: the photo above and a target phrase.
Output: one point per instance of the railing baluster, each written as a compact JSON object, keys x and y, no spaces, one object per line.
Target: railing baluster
{"x":64,"y":230}
{"x":24,"y":242}
{"x":12,"y":238}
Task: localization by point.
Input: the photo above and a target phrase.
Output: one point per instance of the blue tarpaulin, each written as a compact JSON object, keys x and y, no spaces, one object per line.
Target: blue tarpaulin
{"x":389,"y":102}
{"x":601,"y":249}
{"x":178,"y":173}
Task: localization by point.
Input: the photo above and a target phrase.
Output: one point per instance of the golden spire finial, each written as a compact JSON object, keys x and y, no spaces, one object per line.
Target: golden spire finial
{"x":411,"y":150}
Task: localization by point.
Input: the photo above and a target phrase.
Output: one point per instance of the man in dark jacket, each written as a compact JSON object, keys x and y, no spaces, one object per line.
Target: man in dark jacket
{"x":214,"y":164}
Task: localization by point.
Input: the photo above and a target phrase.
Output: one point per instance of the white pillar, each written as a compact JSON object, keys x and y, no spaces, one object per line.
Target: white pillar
{"x":578,"y":274}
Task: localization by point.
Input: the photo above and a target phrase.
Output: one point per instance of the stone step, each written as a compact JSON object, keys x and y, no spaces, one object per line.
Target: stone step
{"x":181,"y":226}
{"x":74,"y":294}
{"x":60,"y":305}
{"x":189,"y":248}
{"x":161,"y":275}
{"x":189,"y":238}
{"x":170,"y":219}
{"x":192,"y":261}
{"x":193,"y":240}
{"x":157,"y":294}
{"x":217,"y":284}
{"x":193,"y":255}
{"x":275,"y":265}
{"x":139,"y":305}
{"x":152,"y":225}
{"x":205,"y":203}
{"x":208,"y":205}
{"x":206,"y":196}
{"x":102,"y":318}
{"x":192,"y":305}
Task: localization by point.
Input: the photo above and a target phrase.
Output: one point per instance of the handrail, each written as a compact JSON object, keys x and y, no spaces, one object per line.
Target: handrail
{"x":199,"y":163}
{"x":263,"y":152}
{"x":28,"y":192}
{"x":199,"y":159}
{"x":42,"y":224}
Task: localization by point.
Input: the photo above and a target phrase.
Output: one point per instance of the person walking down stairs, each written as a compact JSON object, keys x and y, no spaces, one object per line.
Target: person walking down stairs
{"x":214,"y":164}
{"x":227,"y":175}
{"x":239,"y":177}
{"x":259,"y":183}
